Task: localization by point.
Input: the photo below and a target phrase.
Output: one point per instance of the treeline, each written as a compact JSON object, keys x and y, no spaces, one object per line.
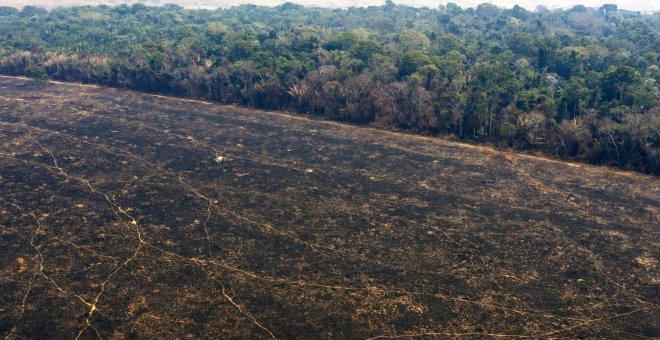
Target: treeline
{"x":578,"y":84}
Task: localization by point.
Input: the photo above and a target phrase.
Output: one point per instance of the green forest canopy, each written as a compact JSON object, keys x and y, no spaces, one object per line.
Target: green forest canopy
{"x":579,"y":83}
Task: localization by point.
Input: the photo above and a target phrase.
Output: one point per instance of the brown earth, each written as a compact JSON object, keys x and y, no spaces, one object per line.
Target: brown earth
{"x":132,"y":215}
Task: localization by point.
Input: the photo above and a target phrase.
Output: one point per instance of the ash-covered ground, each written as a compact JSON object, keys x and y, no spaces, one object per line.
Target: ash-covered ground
{"x":127,"y":215}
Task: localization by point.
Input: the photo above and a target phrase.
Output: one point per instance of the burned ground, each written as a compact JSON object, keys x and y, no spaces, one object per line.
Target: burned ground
{"x":132,"y":215}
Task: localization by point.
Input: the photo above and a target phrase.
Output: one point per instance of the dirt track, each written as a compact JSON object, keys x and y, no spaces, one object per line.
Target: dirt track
{"x":125,"y":214}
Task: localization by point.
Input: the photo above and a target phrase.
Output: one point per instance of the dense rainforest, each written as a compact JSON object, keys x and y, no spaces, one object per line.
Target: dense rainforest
{"x":579,"y":84}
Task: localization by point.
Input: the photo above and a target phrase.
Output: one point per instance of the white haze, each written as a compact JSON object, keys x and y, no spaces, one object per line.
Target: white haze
{"x":641,"y":5}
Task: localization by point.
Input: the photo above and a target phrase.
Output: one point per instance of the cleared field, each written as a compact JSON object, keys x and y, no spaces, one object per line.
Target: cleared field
{"x":132,"y":215}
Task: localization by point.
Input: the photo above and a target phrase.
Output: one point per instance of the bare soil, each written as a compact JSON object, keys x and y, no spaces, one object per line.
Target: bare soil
{"x":128,"y":215}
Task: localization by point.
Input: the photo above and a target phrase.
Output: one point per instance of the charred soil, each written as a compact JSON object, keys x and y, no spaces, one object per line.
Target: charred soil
{"x":131,"y":215}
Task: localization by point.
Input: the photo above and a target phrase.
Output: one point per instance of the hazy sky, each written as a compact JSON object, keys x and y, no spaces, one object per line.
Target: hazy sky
{"x":636,"y":5}
{"x":640,"y":5}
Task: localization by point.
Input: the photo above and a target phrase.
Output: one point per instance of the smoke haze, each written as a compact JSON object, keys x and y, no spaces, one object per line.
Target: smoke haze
{"x":641,"y":5}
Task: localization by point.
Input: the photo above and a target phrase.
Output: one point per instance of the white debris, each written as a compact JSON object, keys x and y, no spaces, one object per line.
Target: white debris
{"x":309,"y":171}
{"x":219,"y":159}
